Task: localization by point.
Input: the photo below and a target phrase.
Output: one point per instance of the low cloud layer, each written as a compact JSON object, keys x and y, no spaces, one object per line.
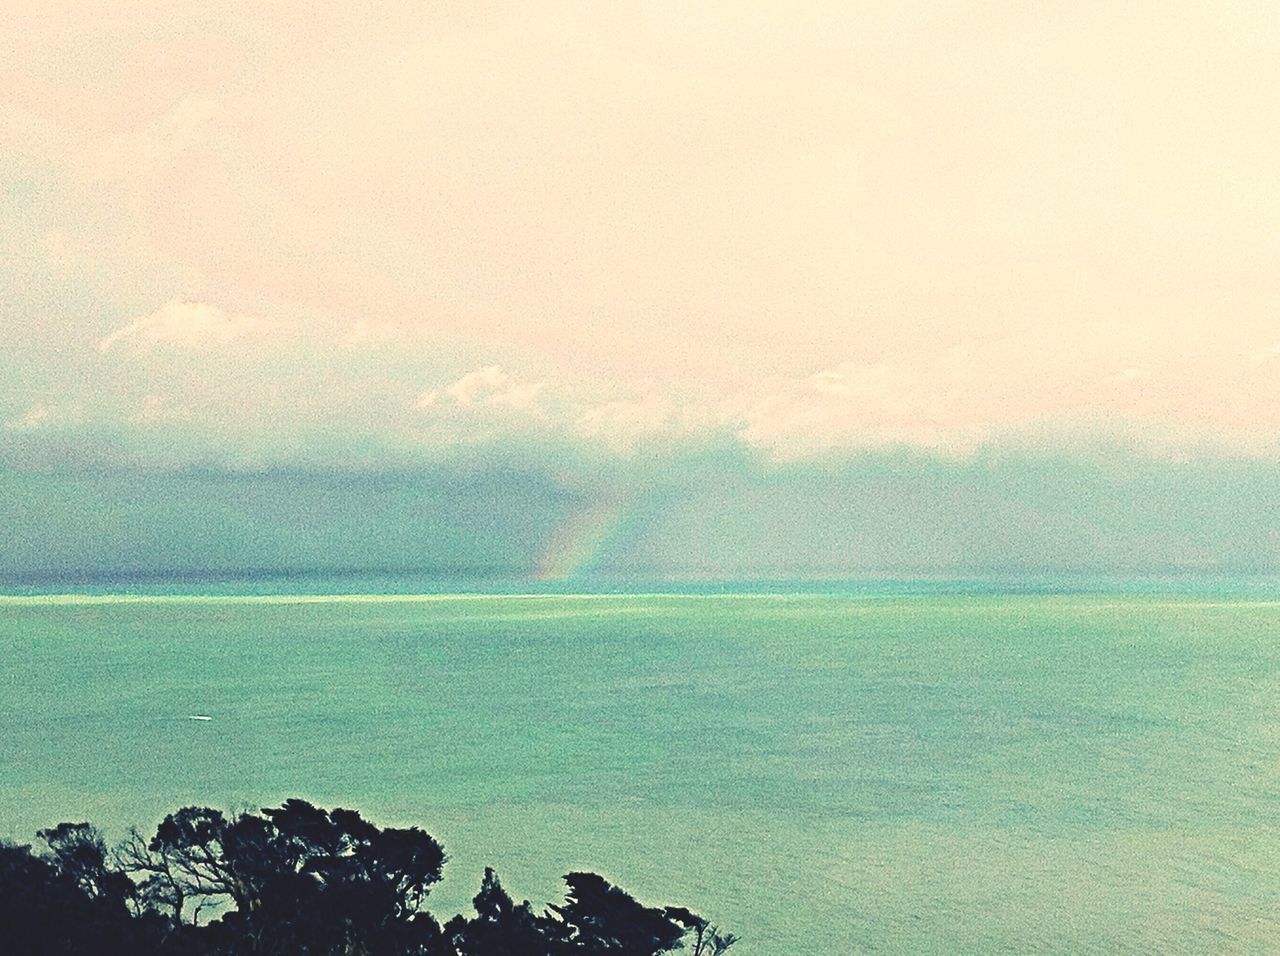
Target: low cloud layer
{"x":718,"y":513}
{"x":193,"y":382}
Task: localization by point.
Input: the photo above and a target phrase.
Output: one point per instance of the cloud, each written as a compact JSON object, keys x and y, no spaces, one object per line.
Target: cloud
{"x":491,"y":402}
{"x":733,"y":228}
{"x":857,"y":405}
{"x":185,"y":325}
{"x":490,"y":387}
{"x":625,"y":425}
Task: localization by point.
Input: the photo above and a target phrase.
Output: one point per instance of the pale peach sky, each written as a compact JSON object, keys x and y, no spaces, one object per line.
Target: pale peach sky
{"x":813,"y":227}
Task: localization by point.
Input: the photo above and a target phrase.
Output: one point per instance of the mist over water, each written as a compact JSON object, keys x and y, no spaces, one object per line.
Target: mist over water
{"x":891,"y":766}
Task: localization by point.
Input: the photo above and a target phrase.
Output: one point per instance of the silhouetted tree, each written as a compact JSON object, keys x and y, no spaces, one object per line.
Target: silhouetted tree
{"x":60,"y":904}
{"x":707,"y":939}
{"x":79,"y":853}
{"x":597,"y":918}
{"x":501,"y":928}
{"x":184,"y":861}
{"x":298,"y":880}
{"x":604,"y":919}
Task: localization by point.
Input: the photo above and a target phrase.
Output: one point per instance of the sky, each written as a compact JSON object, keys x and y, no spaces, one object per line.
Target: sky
{"x":726,"y":287}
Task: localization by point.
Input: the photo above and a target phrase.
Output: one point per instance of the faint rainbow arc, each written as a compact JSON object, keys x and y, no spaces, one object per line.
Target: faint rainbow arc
{"x":579,"y":540}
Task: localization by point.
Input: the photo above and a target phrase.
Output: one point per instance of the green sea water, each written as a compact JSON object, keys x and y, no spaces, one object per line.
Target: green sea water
{"x":883,"y":769}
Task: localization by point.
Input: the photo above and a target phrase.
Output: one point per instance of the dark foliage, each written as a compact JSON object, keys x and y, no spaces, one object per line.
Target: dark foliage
{"x":298,"y":880}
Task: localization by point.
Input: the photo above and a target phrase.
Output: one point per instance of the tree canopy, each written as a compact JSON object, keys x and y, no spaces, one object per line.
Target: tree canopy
{"x":300,"y":880}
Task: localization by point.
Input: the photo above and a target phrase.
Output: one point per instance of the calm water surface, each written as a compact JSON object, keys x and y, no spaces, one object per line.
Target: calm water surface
{"x":820,"y":773}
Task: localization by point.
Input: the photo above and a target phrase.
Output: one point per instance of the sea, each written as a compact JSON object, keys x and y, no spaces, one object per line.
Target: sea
{"x":1021,"y":766}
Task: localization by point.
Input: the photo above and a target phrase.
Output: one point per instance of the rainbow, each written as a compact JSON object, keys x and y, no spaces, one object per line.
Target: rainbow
{"x":588,"y":531}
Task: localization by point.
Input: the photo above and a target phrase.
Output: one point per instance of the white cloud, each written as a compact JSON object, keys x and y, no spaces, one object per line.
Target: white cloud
{"x":855,"y":405}
{"x":490,"y":402}
{"x":490,"y":386}
{"x":185,"y":325}
{"x":622,"y":424}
